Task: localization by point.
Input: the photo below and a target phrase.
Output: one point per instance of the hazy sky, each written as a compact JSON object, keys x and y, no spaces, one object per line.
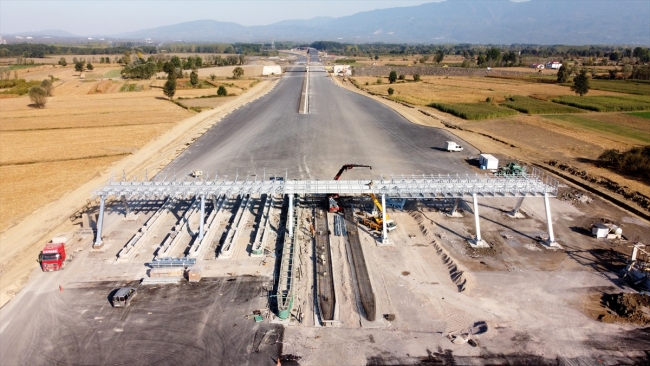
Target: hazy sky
{"x":85,"y":17}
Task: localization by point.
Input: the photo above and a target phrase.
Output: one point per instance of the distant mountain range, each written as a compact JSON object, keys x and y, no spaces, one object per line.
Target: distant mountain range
{"x":452,"y":21}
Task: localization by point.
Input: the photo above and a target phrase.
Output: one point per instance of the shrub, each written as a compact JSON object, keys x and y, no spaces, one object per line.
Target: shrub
{"x":635,"y":162}
{"x":222,"y":92}
{"x":47,"y":86}
{"x":392,"y":77}
{"x":17,"y":86}
{"x":38,"y":95}
{"x":391,"y":91}
{"x":416,"y":77}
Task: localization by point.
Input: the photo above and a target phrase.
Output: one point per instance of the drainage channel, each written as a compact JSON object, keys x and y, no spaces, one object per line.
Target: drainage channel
{"x":286,"y":276}
{"x":360,"y":269}
{"x":324,"y":275}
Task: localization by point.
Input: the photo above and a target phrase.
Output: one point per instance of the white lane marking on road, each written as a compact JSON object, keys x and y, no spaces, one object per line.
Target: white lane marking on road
{"x":304,"y":159}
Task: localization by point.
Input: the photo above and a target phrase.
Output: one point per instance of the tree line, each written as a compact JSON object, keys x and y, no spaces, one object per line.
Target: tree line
{"x":135,"y":66}
{"x":42,"y":50}
{"x":510,"y":54}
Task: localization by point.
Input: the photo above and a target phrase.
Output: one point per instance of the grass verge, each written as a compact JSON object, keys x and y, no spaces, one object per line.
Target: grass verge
{"x":113,"y":73}
{"x":606,"y":103}
{"x":608,"y":128}
{"x":474,"y":111}
{"x":535,"y":106}
{"x":641,"y":114}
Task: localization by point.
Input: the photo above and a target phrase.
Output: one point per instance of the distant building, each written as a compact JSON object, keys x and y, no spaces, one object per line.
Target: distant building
{"x":271,"y":70}
{"x":553,"y":65}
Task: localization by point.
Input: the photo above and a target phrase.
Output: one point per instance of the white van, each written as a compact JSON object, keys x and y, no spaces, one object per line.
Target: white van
{"x":123,"y":297}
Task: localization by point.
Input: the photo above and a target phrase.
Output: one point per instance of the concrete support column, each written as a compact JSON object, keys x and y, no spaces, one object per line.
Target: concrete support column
{"x":515,"y":211}
{"x":476,"y":220}
{"x":478,"y":241}
{"x":384,"y":237}
{"x":549,"y":223}
{"x":202,"y":219}
{"x":100,"y":221}
{"x":453,"y":210}
{"x":127,"y":209}
{"x":290,"y":215}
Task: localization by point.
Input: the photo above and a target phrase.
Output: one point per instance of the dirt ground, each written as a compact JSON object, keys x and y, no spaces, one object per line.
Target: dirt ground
{"x":28,"y":234}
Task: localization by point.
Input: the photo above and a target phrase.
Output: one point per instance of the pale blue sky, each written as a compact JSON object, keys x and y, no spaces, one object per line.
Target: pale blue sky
{"x":84,"y":17}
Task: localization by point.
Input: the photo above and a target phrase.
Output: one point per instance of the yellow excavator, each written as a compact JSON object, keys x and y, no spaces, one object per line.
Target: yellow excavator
{"x":376,"y":223}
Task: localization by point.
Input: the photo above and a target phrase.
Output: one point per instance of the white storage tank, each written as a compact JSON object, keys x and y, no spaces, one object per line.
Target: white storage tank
{"x":487,"y":161}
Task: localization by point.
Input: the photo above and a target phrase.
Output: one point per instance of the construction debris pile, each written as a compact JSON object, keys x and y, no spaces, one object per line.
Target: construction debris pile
{"x":626,"y":307}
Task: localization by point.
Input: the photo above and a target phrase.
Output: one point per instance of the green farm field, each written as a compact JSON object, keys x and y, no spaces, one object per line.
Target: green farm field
{"x":536,"y":106}
{"x":474,"y":111}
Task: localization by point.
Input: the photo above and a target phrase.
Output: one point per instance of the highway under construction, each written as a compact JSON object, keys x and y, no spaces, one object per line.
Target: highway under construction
{"x":268,"y":253}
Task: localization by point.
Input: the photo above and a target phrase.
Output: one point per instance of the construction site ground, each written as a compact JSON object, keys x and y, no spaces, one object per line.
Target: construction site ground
{"x":438,"y":300}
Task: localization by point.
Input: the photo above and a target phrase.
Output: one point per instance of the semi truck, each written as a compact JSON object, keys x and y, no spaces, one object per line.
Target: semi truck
{"x":52,"y":257}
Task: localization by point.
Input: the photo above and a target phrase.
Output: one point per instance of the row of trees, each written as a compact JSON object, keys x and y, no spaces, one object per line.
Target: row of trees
{"x":637,"y":54}
{"x":43,"y":50}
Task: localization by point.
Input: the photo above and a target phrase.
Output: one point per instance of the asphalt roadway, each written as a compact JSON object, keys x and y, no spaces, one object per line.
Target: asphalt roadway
{"x":192,"y":324}
{"x":342,"y":127}
{"x":187,"y":324}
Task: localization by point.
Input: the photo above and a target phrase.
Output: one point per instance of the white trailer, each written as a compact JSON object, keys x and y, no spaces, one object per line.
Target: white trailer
{"x":452,"y":146}
{"x":487,"y":161}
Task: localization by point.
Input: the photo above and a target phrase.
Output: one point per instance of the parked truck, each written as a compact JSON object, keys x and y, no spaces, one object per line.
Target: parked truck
{"x":52,"y":257}
{"x":452,"y":146}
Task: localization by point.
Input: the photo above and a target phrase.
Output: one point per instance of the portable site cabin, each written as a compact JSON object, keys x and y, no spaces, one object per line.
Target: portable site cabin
{"x":487,"y":161}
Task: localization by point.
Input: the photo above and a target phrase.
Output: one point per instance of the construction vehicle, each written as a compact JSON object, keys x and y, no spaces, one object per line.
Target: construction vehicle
{"x":511,"y":169}
{"x":52,"y":257}
{"x":334,"y":205}
{"x":377,"y":222}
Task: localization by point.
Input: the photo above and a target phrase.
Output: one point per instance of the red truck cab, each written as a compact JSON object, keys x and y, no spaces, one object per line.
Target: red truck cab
{"x":52,"y":257}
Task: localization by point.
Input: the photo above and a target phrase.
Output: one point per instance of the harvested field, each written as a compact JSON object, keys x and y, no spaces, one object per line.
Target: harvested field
{"x":27,"y":147}
{"x":605,"y":127}
{"x":474,"y":111}
{"x":606,"y":103}
{"x":205,"y":102}
{"x":25,"y":188}
{"x":226,"y":71}
{"x":89,"y":111}
{"x":71,"y":140}
{"x":535,"y":106}
{"x":436,"y":89}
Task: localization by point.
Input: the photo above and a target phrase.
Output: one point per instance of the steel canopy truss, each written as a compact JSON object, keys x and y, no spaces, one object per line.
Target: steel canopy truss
{"x":533,"y":184}
{"x":420,"y":186}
